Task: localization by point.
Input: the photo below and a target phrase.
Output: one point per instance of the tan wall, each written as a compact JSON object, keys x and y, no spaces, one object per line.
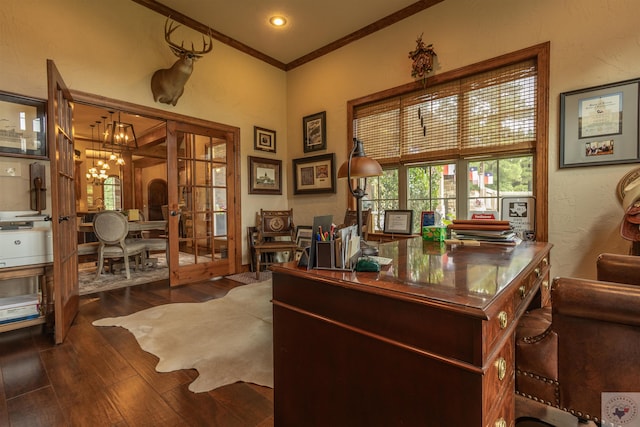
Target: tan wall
{"x":111,"y":49}
{"x":592,"y":43}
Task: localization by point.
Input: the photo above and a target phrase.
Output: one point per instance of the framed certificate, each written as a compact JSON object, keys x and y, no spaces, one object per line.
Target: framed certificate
{"x":599,"y":125}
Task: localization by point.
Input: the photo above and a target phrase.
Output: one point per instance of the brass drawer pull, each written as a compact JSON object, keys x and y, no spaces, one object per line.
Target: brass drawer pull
{"x":501,"y":364}
{"x":503,"y":319}
{"x":523,"y":291}
{"x":501,"y":423}
{"x":545,"y":284}
{"x":545,"y":261}
{"x":537,"y":272}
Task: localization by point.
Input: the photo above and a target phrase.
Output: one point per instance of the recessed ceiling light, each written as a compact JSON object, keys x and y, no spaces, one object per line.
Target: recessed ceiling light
{"x":278,"y":21}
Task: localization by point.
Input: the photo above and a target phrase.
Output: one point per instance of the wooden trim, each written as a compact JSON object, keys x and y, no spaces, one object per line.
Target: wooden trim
{"x":202,"y":28}
{"x":154,"y":113}
{"x":363,"y":32}
{"x":540,"y":53}
{"x":356,"y":35}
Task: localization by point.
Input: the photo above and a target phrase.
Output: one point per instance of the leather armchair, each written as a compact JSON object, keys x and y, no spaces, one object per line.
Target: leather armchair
{"x":587,"y":343}
{"x":619,"y":268}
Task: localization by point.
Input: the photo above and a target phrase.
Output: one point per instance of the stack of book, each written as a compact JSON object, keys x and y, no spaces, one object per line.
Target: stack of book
{"x":486,"y":231}
{"x":17,"y":308}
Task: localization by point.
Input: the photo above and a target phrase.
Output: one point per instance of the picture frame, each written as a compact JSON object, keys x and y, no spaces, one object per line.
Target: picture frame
{"x":264,"y":139}
{"x":599,"y":125}
{"x":314,"y":175}
{"x":304,"y":239}
{"x":265,"y":176}
{"x":427,"y":218}
{"x":398,"y":221}
{"x":304,"y":236}
{"x":314,"y":130}
{"x":23,"y":130}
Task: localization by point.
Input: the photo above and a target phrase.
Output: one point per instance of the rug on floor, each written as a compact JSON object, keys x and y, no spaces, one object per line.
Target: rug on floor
{"x":250,"y":277}
{"x":89,"y":283}
{"x":226,"y":340}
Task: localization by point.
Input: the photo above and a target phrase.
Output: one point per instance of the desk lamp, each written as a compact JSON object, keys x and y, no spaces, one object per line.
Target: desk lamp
{"x":359,"y":166}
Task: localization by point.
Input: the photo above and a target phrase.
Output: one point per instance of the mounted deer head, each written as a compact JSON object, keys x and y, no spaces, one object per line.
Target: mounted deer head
{"x":167,"y":84}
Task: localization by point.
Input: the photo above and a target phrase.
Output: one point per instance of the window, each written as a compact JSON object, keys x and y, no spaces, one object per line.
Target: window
{"x":112,"y":193}
{"x":462,"y":142}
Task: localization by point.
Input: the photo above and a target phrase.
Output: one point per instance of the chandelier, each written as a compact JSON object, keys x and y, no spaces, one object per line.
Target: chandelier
{"x":94,"y":175}
{"x":118,"y":138}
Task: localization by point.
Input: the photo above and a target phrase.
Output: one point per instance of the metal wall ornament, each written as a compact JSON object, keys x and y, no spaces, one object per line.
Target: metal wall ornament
{"x":422,"y":58}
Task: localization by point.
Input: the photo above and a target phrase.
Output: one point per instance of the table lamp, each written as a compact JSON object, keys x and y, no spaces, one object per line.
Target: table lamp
{"x":356,"y":167}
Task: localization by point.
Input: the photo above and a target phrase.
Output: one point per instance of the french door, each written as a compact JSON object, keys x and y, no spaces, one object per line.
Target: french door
{"x":203,"y":209}
{"x":63,"y":209}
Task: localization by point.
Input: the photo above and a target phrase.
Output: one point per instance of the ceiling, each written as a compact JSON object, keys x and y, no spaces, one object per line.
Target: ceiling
{"x":311,"y":25}
{"x":314,"y":28}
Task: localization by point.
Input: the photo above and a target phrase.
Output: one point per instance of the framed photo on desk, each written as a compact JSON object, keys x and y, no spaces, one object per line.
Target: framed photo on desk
{"x":398,"y":221}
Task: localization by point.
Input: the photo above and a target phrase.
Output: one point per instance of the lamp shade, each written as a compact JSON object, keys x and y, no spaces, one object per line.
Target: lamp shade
{"x":361,"y":165}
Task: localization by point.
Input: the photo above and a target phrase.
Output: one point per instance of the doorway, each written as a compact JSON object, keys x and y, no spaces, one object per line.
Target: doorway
{"x":140,"y":176}
{"x":157,"y":198}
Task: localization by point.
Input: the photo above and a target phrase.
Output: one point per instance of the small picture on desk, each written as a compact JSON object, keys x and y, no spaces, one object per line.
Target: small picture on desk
{"x":398,"y":222}
{"x":304,"y":234}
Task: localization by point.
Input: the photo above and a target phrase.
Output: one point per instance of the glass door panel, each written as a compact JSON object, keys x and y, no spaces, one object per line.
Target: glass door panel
{"x":202,"y":194}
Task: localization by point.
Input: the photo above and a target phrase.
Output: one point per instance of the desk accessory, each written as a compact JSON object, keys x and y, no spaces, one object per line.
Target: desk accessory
{"x":359,"y":166}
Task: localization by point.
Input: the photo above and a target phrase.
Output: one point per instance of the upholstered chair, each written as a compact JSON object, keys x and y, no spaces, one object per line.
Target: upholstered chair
{"x":111,"y":228}
{"x":586,"y":344}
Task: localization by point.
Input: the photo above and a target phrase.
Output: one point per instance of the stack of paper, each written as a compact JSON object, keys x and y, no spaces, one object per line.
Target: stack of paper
{"x":21,"y":307}
{"x":489,"y":231}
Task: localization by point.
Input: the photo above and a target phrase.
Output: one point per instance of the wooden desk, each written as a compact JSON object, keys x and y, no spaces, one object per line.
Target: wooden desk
{"x":429,"y":342}
{"x":388,"y":237}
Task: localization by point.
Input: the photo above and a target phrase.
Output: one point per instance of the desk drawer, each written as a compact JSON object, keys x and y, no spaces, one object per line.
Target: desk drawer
{"x":498,"y":379}
{"x":511,"y":304}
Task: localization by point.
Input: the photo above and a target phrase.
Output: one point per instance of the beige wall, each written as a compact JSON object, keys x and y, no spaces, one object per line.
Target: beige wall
{"x":592,"y":43}
{"x":112,"y":48}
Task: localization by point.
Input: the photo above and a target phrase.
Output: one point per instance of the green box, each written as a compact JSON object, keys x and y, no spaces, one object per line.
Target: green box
{"x":432,"y":233}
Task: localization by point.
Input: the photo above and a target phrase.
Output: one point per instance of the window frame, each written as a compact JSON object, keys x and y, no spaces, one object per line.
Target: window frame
{"x":540,"y":54}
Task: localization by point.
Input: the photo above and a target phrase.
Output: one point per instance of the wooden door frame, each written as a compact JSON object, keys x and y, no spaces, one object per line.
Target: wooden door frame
{"x":117,"y":105}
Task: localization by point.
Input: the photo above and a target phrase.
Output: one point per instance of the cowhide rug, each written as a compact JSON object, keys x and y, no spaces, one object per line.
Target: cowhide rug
{"x":226,"y":340}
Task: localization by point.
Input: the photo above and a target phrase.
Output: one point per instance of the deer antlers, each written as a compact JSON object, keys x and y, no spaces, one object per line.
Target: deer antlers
{"x":180,"y":49}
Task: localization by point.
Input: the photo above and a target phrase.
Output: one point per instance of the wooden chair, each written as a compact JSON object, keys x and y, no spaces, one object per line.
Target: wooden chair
{"x":351,"y":218}
{"x":112,"y":228}
{"x":276,"y":233}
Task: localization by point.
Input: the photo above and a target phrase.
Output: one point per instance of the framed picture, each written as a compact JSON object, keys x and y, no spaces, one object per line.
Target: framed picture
{"x":265,"y":176}
{"x":398,"y":222}
{"x":599,"y":125}
{"x":314,"y":129}
{"x":312,"y":175}
{"x":304,"y":236}
{"x":22,"y":126}
{"x":427,"y":218}
{"x":264,"y":139}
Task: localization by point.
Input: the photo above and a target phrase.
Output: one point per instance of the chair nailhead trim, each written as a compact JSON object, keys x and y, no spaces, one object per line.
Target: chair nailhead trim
{"x":537,"y":338}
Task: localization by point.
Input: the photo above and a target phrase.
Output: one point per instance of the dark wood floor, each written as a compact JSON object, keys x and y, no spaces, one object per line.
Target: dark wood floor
{"x":101,"y":377}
